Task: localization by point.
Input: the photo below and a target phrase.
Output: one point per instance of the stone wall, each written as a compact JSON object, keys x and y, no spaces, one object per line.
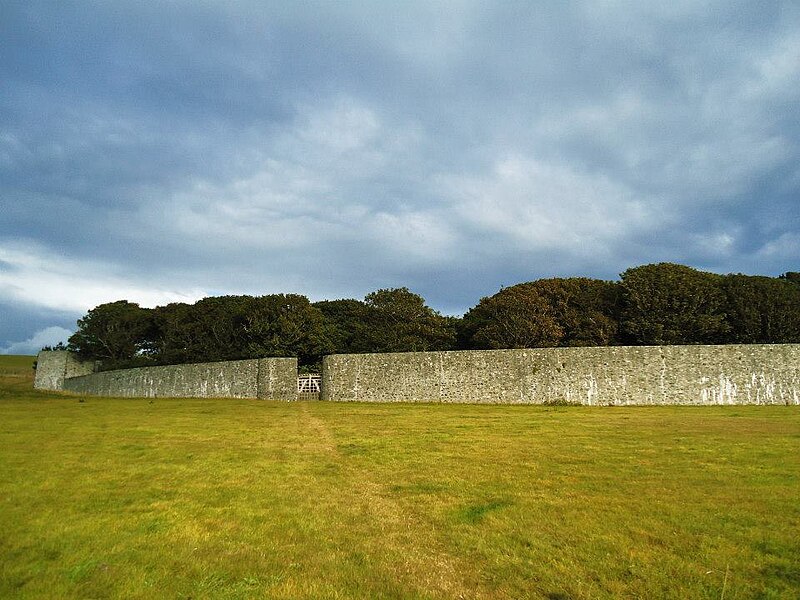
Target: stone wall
{"x":735,"y":374}
{"x":52,"y":367}
{"x":266,"y":378}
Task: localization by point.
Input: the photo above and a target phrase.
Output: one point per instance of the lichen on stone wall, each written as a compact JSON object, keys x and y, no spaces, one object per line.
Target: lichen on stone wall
{"x":690,"y":375}
{"x":54,"y":366}
{"x":230,"y":379}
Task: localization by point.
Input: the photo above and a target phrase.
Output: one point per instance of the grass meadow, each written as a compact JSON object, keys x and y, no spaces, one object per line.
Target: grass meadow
{"x":203,"y":498}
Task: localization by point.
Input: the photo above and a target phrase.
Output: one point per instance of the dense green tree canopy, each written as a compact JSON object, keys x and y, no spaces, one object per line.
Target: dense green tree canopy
{"x":115,"y":331}
{"x":585,"y":309}
{"x":348,"y":322}
{"x":400,"y":321}
{"x":388,"y":320}
{"x":515,"y":317}
{"x":236,"y":327}
{"x":792,"y":276}
{"x":546,"y":312}
{"x":217,"y":329}
{"x":761,"y":310}
{"x":175,"y":331}
{"x":667,"y":303}
{"x":285,"y":325}
{"x":212,"y":329}
{"x":661,"y":303}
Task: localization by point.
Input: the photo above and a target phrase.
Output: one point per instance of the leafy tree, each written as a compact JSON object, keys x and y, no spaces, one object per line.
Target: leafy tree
{"x":285,"y":325}
{"x":348,"y":323}
{"x":209,"y":330}
{"x":792,"y":277}
{"x":238,"y":327}
{"x":58,"y":346}
{"x":113,"y":332}
{"x":653,"y":304}
{"x":515,"y":317}
{"x":667,"y":303}
{"x":585,"y":309}
{"x":175,"y":332}
{"x":547,"y":312}
{"x":762,"y":310}
{"x":400,"y":321}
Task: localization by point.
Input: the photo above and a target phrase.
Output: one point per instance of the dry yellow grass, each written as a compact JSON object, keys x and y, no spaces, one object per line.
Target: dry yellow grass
{"x":253,"y":499}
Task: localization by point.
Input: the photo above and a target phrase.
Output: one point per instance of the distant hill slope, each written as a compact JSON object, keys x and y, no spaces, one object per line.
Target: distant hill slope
{"x":16,"y":366}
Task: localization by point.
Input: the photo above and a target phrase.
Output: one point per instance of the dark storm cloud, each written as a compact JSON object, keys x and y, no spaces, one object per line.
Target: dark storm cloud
{"x":165,"y":151}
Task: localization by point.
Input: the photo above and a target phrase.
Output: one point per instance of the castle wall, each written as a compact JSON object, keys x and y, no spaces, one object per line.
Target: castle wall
{"x":267,"y":378}
{"x":691,"y":375}
{"x":53,"y":366}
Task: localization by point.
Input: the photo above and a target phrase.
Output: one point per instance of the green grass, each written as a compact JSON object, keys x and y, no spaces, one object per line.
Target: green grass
{"x":253,"y":499}
{"x":17,"y":366}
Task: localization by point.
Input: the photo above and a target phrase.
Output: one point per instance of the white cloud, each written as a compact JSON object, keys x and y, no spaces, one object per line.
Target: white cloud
{"x":412,"y":237}
{"x":688,"y":147}
{"x":717,"y":246}
{"x":786,"y":246}
{"x":343,"y":127}
{"x":271,"y":208}
{"x":777,"y":70}
{"x":36,"y":276}
{"x":541,"y":205}
{"x":49,"y":336}
{"x":318,"y":181}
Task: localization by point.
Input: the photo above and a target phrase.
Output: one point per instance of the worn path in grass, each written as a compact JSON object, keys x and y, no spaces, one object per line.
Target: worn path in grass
{"x":243,"y":499}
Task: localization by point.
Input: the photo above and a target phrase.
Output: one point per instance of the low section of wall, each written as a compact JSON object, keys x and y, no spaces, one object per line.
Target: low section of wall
{"x":735,"y":374}
{"x":266,"y":378}
{"x":54,"y":366}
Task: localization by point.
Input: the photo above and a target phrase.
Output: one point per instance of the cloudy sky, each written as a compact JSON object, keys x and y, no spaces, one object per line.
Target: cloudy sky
{"x":166,"y":151}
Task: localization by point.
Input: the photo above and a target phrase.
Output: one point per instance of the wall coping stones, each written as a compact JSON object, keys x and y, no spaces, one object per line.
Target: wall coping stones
{"x":609,"y":375}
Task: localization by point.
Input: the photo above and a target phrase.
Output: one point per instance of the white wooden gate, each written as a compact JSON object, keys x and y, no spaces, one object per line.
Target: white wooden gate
{"x":308,"y":387}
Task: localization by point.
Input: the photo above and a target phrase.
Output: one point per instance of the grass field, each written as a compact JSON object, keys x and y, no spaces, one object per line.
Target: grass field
{"x":250,"y":499}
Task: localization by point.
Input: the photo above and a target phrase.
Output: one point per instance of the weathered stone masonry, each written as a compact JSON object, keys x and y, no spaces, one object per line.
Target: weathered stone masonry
{"x":53,"y":367}
{"x":740,"y":374}
{"x":267,"y":378}
{"x":691,"y":375}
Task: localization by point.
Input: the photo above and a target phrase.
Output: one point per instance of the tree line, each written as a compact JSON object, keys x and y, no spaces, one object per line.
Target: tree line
{"x":652,"y":304}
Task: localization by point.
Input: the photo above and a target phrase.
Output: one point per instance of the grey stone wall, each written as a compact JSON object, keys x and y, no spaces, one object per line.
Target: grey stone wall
{"x":744,"y":374}
{"x":53,"y":366}
{"x":277,"y":379}
{"x":267,"y":378}
{"x":736,"y":374}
